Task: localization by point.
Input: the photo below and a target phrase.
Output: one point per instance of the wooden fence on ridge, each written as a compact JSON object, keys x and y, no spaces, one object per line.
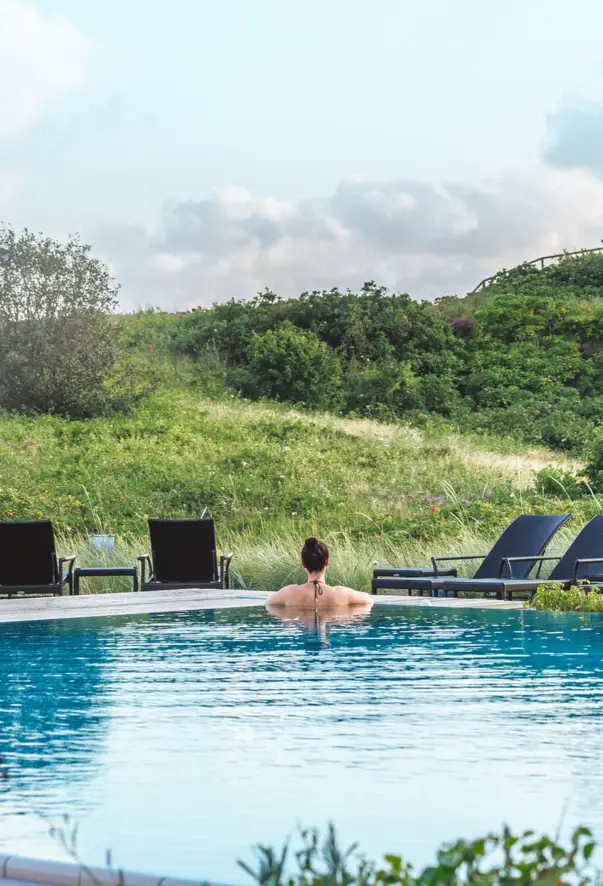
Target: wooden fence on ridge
{"x":543,"y":261}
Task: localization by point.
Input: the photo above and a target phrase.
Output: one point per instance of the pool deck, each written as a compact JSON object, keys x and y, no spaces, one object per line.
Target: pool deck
{"x":99,"y":605}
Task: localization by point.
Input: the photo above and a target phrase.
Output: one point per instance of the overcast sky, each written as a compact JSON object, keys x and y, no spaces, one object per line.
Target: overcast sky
{"x":210,"y":148}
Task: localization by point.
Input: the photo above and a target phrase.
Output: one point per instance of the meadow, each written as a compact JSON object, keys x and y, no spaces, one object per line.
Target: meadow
{"x":379,"y":493}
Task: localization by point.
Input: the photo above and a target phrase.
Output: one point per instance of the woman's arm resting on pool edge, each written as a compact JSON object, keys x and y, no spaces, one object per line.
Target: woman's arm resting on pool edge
{"x":279,"y":598}
{"x":356,"y":597}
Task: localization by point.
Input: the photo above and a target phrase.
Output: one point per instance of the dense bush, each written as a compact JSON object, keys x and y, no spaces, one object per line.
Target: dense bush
{"x":523,"y":358}
{"x":389,"y":354}
{"x":293,"y":366}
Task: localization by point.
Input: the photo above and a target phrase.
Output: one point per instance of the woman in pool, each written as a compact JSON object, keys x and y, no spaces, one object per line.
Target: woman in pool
{"x":316,"y":593}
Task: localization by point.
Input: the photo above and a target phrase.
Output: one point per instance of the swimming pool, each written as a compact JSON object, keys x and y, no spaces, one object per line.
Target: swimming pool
{"x":179,"y":740}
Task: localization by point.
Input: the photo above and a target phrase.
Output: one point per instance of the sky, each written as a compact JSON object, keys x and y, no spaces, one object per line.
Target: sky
{"x":207,"y":150}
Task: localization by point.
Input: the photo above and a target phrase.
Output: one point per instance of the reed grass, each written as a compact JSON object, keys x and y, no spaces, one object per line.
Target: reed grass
{"x":271,"y":562}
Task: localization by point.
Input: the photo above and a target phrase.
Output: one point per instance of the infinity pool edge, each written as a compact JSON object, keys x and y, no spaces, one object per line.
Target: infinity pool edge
{"x":105,"y":605}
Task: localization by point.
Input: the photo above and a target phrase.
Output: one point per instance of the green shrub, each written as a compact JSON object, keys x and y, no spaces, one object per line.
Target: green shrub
{"x":550,"y":596}
{"x":379,"y":389}
{"x":554,"y":481}
{"x":292,"y":366}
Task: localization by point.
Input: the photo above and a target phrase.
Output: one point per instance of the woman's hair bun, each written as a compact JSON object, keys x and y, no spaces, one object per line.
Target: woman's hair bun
{"x":315,"y":554}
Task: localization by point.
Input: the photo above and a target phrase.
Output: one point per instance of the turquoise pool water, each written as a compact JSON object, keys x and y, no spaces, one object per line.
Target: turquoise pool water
{"x":179,"y":740}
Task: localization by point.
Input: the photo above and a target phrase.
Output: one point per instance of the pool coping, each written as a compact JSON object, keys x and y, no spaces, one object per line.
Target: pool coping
{"x":147,"y":603}
{"x":16,"y":870}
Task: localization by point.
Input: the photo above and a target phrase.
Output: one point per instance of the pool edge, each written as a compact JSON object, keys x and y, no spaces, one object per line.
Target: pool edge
{"x":129,"y":603}
{"x":15,"y":869}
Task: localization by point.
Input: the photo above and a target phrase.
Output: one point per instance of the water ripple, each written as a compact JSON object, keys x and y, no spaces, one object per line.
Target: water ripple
{"x":178,"y":740}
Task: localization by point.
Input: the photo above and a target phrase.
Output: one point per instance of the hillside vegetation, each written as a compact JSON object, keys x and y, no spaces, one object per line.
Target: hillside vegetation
{"x":522,"y":358}
{"x":391,"y":427}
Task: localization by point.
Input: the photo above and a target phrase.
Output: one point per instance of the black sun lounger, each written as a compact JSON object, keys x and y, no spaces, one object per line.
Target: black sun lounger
{"x":183,"y":555}
{"x":584,"y":553}
{"x":527,"y":536}
{"x":29,"y":562}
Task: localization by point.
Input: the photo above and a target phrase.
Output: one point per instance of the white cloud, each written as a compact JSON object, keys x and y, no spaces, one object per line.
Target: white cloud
{"x":39,"y":58}
{"x":409,"y":235}
{"x":166,"y":263}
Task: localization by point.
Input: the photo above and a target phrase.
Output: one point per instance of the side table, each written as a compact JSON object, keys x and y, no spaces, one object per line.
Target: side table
{"x":93,"y":571}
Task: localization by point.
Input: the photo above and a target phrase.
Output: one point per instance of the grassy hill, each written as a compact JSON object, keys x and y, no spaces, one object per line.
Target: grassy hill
{"x":390,"y":427}
{"x":270,"y":475}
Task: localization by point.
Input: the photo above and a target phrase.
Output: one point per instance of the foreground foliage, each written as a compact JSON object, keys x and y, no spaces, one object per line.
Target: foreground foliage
{"x":495,"y":860}
{"x":551,"y":596}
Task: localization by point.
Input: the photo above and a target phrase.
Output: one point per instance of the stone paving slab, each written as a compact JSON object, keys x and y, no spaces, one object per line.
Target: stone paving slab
{"x":128,"y":603}
{"x":144,"y":603}
{"x":448,"y":603}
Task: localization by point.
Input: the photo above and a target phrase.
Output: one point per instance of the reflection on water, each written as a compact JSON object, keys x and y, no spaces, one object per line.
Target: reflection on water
{"x":317,"y":622}
{"x":178,"y":740}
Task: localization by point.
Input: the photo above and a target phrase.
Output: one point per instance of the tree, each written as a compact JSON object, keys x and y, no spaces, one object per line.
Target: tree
{"x":58,"y":344}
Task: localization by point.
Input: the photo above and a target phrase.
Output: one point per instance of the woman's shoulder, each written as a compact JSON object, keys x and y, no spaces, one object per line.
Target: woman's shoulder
{"x":353,"y":596}
{"x":284,"y":594}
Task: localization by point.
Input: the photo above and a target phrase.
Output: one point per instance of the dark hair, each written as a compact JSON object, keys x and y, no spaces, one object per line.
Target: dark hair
{"x":314,"y":554}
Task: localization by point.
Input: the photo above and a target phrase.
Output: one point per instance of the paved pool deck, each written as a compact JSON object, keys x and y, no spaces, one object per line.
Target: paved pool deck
{"x":99,"y":605}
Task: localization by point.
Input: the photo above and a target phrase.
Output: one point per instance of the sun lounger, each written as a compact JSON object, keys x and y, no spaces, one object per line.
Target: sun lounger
{"x":582,"y":561}
{"x":527,"y":536}
{"x":28,"y":560}
{"x":183,"y":555}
